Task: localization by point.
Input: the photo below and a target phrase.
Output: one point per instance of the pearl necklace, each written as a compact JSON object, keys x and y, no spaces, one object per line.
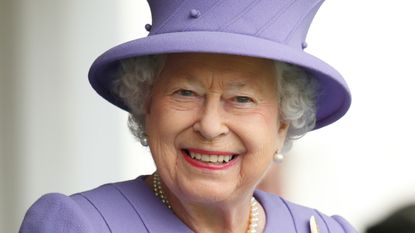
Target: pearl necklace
{"x":253,"y":212}
{"x":158,"y":191}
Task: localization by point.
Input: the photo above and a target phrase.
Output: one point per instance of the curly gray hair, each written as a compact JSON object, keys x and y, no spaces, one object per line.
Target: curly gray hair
{"x":296,"y":93}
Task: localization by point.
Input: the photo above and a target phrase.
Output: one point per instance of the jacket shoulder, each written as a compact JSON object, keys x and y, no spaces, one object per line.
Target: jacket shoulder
{"x":113,"y":207}
{"x":297,"y":218}
{"x":325,"y":223}
{"x":55,"y":213}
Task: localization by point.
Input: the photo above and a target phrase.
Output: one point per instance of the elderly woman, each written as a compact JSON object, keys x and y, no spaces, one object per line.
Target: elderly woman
{"x":218,"y":91}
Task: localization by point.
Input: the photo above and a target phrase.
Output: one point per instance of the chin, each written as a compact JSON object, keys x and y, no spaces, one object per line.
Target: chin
{"x":205,"y":189}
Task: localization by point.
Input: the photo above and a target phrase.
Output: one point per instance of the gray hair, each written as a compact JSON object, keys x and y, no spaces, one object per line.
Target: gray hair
{"x":296,"y":93}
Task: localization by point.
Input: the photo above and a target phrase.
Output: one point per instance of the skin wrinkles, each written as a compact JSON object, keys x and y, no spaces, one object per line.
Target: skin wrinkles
{"x":198,"y":101}
{"x":215,"y":90}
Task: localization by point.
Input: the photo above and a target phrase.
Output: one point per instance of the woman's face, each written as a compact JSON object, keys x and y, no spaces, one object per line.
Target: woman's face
{"x":213,"y":125}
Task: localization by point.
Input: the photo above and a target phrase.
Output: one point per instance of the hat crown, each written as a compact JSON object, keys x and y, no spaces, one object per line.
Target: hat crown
{"x":283,"y":21}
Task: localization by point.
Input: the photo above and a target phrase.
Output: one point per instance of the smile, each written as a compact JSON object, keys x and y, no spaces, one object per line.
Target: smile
{"x":209,"y":159}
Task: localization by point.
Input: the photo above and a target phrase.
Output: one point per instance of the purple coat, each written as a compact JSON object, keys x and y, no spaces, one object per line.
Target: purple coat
{"x":131,"y":207}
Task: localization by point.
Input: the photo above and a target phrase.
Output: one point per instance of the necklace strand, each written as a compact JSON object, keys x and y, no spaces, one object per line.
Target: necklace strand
{"x":158,"y":191}
{"x":253,"y":211}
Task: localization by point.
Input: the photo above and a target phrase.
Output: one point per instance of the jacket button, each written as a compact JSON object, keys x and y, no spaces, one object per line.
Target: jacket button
{"x":194,"y":13}
{"x":147,"y":27}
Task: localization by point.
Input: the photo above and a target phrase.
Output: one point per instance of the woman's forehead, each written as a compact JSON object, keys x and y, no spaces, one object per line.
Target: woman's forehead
{"x":240,"y":70}
{"x":219,"y":61}
{"x":219,"y":72}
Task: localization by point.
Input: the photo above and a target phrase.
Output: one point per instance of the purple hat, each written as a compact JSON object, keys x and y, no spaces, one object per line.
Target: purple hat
{"x":273,"y":29}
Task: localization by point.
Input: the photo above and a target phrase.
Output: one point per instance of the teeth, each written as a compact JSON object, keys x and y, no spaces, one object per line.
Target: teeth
{"x":205,"y":158}
{"x":211,"y":158}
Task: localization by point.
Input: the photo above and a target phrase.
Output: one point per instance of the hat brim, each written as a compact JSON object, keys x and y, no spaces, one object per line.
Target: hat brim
{"x":333,"y":101}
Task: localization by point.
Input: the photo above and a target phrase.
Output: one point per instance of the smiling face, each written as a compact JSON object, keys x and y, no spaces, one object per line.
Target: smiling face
{"x":213,"y":125}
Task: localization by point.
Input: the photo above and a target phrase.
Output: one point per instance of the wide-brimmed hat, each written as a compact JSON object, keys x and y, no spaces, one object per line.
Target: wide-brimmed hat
{"x":273,"y":29}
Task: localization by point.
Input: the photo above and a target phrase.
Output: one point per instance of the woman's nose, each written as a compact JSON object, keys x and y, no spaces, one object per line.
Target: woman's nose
{"x":211,"y":123}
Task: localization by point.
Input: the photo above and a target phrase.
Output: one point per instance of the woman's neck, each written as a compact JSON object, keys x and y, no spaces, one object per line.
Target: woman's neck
{"x":225,"y":216}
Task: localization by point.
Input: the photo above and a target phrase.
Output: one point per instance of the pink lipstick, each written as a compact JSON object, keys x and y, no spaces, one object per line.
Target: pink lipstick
{"x":211,"y":160}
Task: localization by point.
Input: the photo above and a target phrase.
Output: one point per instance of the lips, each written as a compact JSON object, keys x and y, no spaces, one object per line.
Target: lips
{"x":208,"y":159}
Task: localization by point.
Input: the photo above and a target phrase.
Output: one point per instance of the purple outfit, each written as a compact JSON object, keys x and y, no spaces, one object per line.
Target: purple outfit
{"x":131,"y":207}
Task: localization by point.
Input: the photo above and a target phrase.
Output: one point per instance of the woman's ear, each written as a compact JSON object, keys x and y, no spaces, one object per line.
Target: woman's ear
{"x":282,"y":132}
{"x":283,"y":126}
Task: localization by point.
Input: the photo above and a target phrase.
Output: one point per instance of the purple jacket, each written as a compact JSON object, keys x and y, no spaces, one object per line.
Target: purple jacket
{"x":131,"y":207}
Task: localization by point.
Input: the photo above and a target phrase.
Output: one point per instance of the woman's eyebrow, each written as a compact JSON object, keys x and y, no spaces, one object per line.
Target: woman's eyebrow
{"x":241,"y":85}
{"x":236,"y":85}
{"x":189,"y":79}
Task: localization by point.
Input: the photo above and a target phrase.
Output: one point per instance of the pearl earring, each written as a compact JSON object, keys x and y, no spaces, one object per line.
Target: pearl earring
{"x":278,"y":157}
{"x":143,"y":140}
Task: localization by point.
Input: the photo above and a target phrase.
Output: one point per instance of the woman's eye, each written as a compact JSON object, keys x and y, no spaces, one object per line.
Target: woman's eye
{"x":184,"y":92}
{"x":243,"y":99}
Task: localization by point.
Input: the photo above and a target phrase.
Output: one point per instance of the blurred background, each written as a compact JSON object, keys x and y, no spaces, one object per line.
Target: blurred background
{"x":58,"y":135}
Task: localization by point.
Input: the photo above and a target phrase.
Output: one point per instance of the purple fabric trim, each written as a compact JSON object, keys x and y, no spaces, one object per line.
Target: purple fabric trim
{"x":275,"y":17}
{"x":91,"y":214}
{"x":99,"y":212}
{"x":160,"y":27}
{"x":324,"y":221}
{"x":155,"y":215}
{"x":291,"y":214}
{"x":238,"y":16}
{"x":132,"y":206}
